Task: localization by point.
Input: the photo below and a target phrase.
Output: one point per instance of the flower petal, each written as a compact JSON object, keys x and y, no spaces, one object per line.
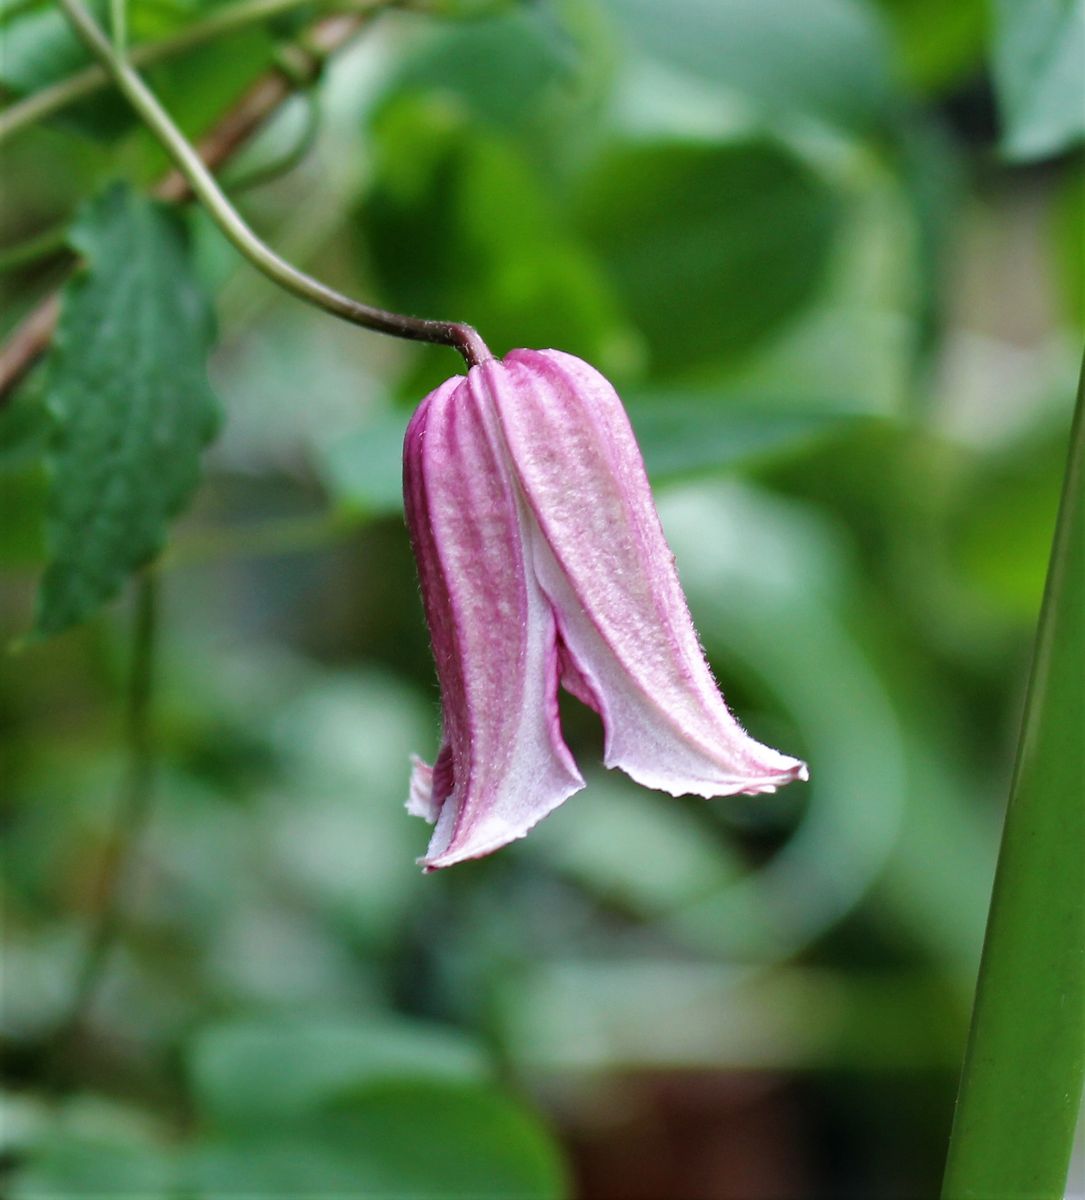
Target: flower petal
{"x":601,"y":558}
{"x":494,"y":636}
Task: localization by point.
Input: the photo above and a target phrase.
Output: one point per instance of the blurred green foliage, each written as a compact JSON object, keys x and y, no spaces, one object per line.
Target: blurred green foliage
{"x":847,"y":331}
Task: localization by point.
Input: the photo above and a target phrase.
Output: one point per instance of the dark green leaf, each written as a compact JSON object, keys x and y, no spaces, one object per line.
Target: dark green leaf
{"x":1039,"y":51}
{"x":127,"y":388}
{"x":711,"y":247}
{"x":458,"y":224}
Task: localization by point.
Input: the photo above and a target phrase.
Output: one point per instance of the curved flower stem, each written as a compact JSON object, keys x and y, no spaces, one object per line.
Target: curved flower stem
{"x":445,"y":333}
{"x":133,"y":809}
{"x":1021,"y":1088}
{"x":53,"y":99}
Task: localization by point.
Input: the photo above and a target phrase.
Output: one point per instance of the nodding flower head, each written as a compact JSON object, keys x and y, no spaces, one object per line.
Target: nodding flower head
{"x":543,"y":563}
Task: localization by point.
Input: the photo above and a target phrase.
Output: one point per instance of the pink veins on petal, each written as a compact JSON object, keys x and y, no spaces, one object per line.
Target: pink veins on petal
{"x":542,"y":561}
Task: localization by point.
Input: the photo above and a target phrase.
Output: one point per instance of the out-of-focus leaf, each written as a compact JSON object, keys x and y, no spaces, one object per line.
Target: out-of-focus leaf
{"x":94,"y":1149}
{"x":393,"y":1139}
{"x":937,"y":42}
{"x":127,"y":387}
{"x":363,"y":470}
{"x":827,"y":59}
{"x":710,"y":247}
{"x":25,"y":426}
{"x":503,"y":71}
{"x":458,"y":225}
{"x":1038,"y":57}
{"x":688,"y":434}
{"x":253,"y":1071}
{"x":1069,"y":246}
{"x":1004,"y":524}
{"x":40,"y":48}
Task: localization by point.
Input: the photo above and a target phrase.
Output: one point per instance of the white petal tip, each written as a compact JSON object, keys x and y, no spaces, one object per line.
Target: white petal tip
{"x":420,"y":796}
{"x":493,"y":834}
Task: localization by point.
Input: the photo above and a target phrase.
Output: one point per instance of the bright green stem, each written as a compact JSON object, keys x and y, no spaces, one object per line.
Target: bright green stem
{"x":221,"y":23}
{"x":443,"y":333}
{"x":1024,"y":1070}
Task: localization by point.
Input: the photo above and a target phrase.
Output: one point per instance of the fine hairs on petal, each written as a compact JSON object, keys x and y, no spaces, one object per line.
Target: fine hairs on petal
{"x":542,"y":561}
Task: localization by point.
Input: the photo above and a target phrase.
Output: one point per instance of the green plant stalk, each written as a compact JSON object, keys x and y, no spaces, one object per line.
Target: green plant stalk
{"x":133,"y":809}
{"x":42,"y":245}
{"x":1024,"y":1070}
{"x":62,"y":94}
{"x":443,"y":333}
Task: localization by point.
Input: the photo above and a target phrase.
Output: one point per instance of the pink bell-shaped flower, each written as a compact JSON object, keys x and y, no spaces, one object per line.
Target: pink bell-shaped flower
{"x":543,"y":562}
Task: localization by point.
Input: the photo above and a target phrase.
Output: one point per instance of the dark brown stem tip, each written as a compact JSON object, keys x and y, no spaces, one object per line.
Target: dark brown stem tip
{"x":470,"y":345}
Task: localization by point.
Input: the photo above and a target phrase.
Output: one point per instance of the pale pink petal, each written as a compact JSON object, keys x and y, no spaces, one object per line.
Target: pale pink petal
{"x":493,"y":633}
{"x":599,"y":553}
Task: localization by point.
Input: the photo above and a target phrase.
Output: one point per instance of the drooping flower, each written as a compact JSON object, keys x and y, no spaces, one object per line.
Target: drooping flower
{"x":543,"y":562}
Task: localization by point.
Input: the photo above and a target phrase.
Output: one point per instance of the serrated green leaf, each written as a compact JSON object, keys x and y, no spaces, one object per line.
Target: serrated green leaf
{"x":127,"y":388}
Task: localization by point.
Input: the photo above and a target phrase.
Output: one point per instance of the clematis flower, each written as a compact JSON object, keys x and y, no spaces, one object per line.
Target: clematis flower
{"x":543,"y":563}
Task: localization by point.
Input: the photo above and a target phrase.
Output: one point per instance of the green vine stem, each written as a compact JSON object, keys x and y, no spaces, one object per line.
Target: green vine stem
{"x":444,"y":333}
{"x":231,"y":19}
{"x":133,"y":808}
{"x":1021,"y":1089}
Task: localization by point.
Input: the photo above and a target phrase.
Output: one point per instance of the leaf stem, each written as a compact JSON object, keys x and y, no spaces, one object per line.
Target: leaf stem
{"x":40,"y":245}
{"x":1021,"y":1088}
{"x":133,"y":807}
{"x":444,"y":333}
{"x":50,"y":100}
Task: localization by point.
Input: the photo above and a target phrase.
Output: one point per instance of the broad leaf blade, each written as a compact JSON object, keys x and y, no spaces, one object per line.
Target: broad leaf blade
{"x":128,"y":391}
{"x":1039,"y":48}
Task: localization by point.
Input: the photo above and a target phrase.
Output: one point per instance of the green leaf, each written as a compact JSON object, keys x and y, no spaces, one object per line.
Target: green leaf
{"x":363,"y":470}
{"x":394,"y":1139}
{"x":1038,"y":52}
{"x":823,"y":58}
{"x":956,"y":51}
{"x":252,"y":1071}
{"x":384,"y":1107}
{"x":711,"y":247}
{"x":458,"y":223}
{"x":688,"y":434}
{"x":1021,"y":1087}
{"x":503,"y":70}
{"x":92,"y":1148}
{"x":40,"y":48}
{"x":127,"y":388}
